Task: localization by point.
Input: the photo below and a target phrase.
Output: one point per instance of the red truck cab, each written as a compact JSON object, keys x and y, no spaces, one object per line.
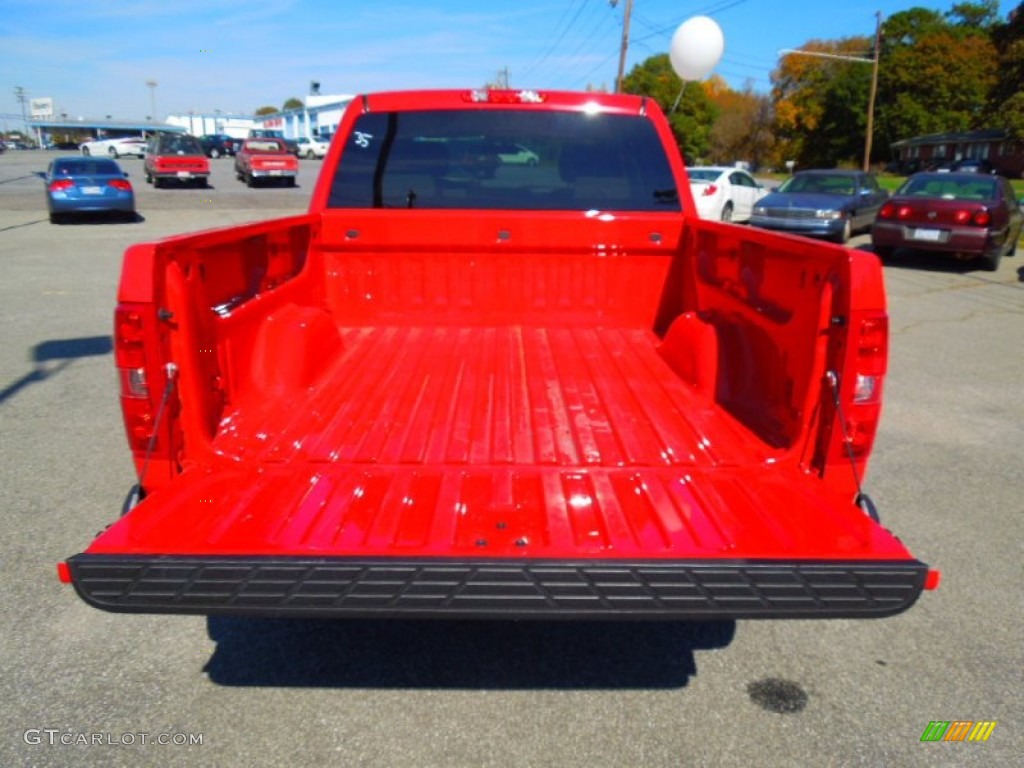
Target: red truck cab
{"x":463,"y":386}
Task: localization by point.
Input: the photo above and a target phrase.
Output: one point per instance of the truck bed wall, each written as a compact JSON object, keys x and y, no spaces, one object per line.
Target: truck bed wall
{"x":261,"y":315}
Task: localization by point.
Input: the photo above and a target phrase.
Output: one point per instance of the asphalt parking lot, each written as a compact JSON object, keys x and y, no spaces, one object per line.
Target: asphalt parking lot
{"x":946,"y":475}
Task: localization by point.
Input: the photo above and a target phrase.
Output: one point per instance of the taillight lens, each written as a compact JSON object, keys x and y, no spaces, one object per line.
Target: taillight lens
{"x":123,"y":184}
{"x":887,"y":211}
{"x":979,"y":218}
{"x":61,"y":184}
{"x":129,"y":330}
{"x":709,"y":190}
{"x":133,"y":328}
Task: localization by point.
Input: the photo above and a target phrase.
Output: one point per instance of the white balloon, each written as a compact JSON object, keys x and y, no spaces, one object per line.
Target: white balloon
{"x":696,"y":48}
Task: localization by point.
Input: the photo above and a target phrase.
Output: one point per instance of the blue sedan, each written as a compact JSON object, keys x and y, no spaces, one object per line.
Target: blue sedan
{"x":87,"y":185}
{"x":832,"y":204}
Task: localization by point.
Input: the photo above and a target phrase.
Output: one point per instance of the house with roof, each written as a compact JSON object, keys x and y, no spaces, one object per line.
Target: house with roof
{"x":935,"y":150}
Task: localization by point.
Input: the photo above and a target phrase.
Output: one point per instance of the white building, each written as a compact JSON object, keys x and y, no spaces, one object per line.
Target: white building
{"x":318,"y":117}
{"x":236,"y":126}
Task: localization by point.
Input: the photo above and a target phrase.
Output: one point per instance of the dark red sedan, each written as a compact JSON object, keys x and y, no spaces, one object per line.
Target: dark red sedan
{"x":965,"y":214}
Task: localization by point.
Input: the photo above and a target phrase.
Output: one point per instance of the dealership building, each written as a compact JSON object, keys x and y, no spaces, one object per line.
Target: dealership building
{"x":318,"y":116}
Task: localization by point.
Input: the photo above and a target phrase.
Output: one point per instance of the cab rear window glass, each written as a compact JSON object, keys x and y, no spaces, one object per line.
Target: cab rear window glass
{"x":504,"y":159}
{"x":170,"y":144}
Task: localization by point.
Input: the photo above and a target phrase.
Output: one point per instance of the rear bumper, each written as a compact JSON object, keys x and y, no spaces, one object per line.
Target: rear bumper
{"x":180,"y":175}
{"x":276,"y":173}
{"x":973,"y":240}
{"x":807,"y":226}
{"x":496,"y":589}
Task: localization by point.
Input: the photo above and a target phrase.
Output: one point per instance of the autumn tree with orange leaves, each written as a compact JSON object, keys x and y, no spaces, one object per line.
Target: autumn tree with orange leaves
{"x":821,"y":103}
{"x":744,"y":127}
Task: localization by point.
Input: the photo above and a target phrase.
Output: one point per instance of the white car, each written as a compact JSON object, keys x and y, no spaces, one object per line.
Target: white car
{"x":131,"y":145}
{"x":726,"y":194}
{"x":312,"y":147}
{"x":517,"y":154}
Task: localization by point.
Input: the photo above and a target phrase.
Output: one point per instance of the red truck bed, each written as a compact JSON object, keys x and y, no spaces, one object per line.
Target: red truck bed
{"x":468,"y":385}
{"x":495,"y":435}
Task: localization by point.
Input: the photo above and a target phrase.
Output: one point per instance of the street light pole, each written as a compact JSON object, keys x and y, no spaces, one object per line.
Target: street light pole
{"x":151,"y":84}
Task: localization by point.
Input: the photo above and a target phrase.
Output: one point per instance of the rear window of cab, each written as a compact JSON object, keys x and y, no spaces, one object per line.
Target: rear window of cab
{"x":504,"y":159}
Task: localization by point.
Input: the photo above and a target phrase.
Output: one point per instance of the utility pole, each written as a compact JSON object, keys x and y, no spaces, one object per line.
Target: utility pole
{"x":21,"y":95}
{"x":627,"y":12}
{"x":874,"y":92}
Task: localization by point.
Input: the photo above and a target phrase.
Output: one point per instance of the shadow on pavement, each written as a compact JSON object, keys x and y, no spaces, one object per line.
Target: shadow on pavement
{"x":111,"y":217}
{"x":459,"y":654}
{"x":49,"y":358}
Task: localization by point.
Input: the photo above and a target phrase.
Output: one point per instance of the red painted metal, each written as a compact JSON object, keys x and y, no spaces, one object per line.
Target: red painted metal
{"x":561,"y":385}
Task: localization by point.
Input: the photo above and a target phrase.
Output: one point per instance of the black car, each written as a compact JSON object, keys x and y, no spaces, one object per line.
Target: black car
{"x":217,"y":145}
{"x":972,"y":165}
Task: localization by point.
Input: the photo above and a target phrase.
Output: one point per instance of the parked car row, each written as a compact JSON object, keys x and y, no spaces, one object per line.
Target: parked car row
{"x":95,"y":183}
{"x":968,"y":214}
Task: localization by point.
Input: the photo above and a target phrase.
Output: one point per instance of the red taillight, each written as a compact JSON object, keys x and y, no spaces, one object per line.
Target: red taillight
{"x":979,"y":218}
{"x":709,"y":190}
{"x":61,"y":184}
{"x":123,"y":184}
{"x":129,"y":336}
{"x":873,"y":344}
{"x":892,"y":211}
{"x":133,"y":325}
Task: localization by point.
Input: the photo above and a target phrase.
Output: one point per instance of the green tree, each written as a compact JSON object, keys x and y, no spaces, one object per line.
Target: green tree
{"x":1006,"y":106}
{"x":293,"y":103}
{"x":820,"y":102}
{"x":267,"y":111}
{"x":983,"y":15}
{"x":743,"y":129}
{"x":937,"y":72}
{"x":692,"y":119}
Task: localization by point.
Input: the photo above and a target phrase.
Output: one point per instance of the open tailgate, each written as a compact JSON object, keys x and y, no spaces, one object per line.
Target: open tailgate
{"x":501,"y":543}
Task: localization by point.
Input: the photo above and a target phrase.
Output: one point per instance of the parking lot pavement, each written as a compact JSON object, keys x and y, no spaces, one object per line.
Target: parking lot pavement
{"x":946,"y":476}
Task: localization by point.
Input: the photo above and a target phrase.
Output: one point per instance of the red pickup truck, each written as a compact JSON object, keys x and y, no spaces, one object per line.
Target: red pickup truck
{"x":464,"y":387}
{"x":265,"y":159}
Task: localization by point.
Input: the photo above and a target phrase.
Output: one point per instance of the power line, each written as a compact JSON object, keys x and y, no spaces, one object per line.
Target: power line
{"x":601,"y":22}
{"x":561,"y":37}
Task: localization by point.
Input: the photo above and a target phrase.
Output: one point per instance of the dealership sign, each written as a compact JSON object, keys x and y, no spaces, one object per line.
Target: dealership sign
{"x":41,"y":108}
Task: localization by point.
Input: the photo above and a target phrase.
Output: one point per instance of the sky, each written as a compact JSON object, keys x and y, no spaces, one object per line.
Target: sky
{"x":94,"y":57}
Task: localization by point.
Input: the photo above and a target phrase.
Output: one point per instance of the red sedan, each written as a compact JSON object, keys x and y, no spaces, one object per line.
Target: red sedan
{"x":968,"y":215}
